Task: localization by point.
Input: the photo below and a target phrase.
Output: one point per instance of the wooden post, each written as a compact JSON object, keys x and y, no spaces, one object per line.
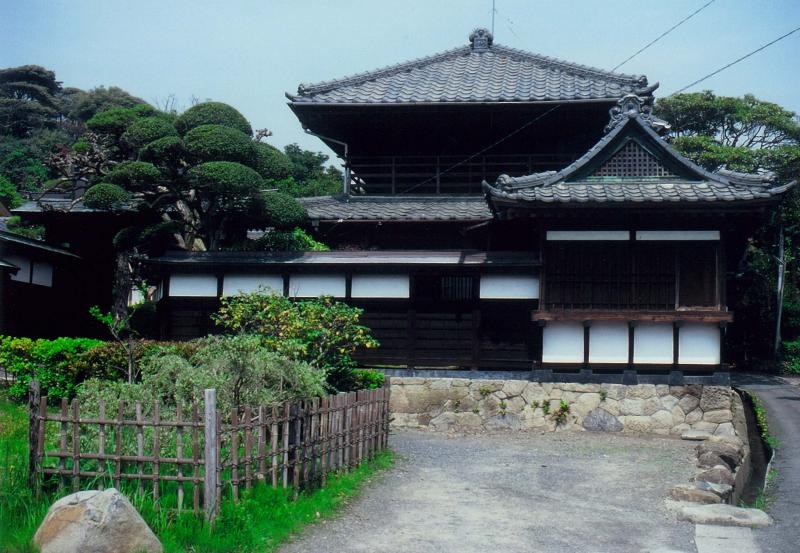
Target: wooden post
{"x":101,"y":443}
{"x":156,"y":452}
{"x":34,"y":460}
{"x":139,"y":444}
{"x":211,"y":454}
{"x":179,"y":453}
{"x":76,"y":447}
{"x":235,"y":453}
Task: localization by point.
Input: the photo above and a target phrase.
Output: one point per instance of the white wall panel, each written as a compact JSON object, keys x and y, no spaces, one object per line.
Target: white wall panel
{"x":563,"y":342}
{"x":193,"y":286}
{"x":514,"y":287}
{"x":42,"y":274}
{"x":588,"y":235}
{"x":24,"y":264}
{"x":608,"y":342}
{"x":380,"y":286}
{"x":234,"y":284}
{"x":312,"y":286}
{"x":677,"y":235}
{"x":652,"y":343}
{"x":698,"y":344}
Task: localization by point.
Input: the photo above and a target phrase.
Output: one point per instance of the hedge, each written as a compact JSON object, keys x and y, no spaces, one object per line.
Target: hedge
{"x":105,"y":196}
{"x":212,"y":113}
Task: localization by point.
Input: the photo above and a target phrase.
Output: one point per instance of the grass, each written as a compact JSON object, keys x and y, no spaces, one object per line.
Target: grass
{"x":262,"y":520}
{"x":761,"y":419}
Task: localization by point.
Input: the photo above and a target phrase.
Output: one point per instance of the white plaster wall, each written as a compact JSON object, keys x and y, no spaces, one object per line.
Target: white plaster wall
{"x":588,"y":235}
{"x":608,"y":342}
{"x":380,"y":286}
{"x":512,"y":287}
{"x":313,"y":286}
{"x":234,"y":284}
{"x":42,"y":274}
{"x":698,"y":344}
{"x":563,"y":342}
{"x":652,"y":343}
{"x":193,"y":286}
{"x":677,"y":235}
{"x":24,"y":264}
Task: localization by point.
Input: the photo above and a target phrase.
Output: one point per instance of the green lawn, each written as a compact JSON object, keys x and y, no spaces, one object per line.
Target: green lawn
{"x":261,"y":520}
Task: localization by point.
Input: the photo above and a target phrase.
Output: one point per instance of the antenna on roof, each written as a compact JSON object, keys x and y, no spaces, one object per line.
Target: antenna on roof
{"x":494,"y":11}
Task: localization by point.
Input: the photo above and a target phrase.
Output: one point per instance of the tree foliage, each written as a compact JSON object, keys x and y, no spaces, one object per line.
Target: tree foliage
{"x":212,"y":113}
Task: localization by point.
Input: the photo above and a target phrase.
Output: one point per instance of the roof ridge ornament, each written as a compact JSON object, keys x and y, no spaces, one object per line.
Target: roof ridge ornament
{"x":631,"y":106}
{"x":481,"y":39}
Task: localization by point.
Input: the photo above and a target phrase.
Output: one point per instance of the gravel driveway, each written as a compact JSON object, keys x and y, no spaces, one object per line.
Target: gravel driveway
{"x":510,"y":492}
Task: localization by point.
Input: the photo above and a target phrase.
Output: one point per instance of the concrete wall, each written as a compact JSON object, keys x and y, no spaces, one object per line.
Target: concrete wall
{"x":461,"y":404}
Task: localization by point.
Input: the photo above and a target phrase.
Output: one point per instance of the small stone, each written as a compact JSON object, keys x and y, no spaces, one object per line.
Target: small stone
{"x":722,"y":514}
{"x":600,"y":420}
{"x":97,"y":522}
{"x":693,"y":495}
{"x":696,"y":435}
{"x":718,"y":416}
{"x":717,"y":475}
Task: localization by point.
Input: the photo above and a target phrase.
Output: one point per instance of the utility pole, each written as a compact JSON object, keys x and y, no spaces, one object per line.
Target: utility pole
{"x":493,"y":12}
{"x":779,"y":291}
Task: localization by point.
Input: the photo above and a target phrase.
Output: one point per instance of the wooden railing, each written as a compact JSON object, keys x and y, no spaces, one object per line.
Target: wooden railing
{"x":296,"y":444}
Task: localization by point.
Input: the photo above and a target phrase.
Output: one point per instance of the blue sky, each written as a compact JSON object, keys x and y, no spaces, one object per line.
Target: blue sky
{"x":249,"y":52}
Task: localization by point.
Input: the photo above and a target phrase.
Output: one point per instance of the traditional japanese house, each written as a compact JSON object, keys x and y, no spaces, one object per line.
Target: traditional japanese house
{"x":493,"y":217}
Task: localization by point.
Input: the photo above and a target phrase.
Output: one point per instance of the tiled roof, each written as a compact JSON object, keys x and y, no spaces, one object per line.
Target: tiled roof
{"x":633,"y":164}
{"x":480,"y":72}
{"x":396,"y":208}
{"x":12,"y":238}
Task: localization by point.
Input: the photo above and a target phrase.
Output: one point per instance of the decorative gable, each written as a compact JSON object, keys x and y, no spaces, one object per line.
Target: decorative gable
{"x":632,"y":161}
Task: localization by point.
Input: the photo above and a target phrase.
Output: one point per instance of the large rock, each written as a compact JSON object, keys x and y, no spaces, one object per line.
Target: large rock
{"x":717,"y":475}
{"x":709,"y":459}
{"x":718,"y":416}
{"x":696,"y":435}
{"x":727,"y":452}
{"x":722,"y":490}
{"x":721,"y":514}
{"x":95,"y":522}
{"x":600,"y":420}
{"x":715,"y":397}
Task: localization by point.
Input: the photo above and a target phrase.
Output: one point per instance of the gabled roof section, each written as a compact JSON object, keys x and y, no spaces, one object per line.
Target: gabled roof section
{"x":12,"y":238}
{"x":480,"y":72}
{"x":632,"y":164}
{"x":396,"y":208}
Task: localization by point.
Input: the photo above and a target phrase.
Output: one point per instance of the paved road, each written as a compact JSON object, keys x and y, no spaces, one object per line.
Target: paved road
{"x":516,"y":492}
{"x":781,"y":400}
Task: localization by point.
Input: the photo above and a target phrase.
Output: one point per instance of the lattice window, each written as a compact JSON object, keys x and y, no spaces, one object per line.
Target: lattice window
{"x":633,"y":161}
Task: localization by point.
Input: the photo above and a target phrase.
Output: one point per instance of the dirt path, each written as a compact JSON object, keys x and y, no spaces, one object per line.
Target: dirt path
{"x":516,"y":492}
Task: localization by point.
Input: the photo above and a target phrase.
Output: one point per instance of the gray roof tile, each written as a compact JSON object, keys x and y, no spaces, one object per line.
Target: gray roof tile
{"x":473,"y":74}
{"x":396,"y":208}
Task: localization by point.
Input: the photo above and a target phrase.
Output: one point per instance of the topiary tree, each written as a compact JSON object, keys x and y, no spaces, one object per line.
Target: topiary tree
{"x":105,"y":196}
{"x":218,"y":143}
{"x":145,"y":130}
{"x":212,"y":113}
{"x":271,"y":163}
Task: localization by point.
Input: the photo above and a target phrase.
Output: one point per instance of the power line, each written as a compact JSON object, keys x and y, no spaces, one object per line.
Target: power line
{"x":734,"y":62}
{"x":662,"y":35}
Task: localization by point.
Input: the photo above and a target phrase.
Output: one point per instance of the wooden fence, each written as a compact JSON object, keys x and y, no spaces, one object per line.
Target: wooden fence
{"x":203,"y":453}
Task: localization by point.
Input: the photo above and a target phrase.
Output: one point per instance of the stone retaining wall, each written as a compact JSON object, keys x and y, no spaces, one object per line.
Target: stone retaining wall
{"x":467,"y":405}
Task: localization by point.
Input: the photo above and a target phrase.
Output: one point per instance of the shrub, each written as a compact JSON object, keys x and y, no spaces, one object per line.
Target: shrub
{"x":226,"y":178}
{"x":9,"y":196}
{"x":164,"y":151}
{"x":296,"y":240}
{"x":271,"y":163}
{"x":212,"y":113}
{"x":367,"y":379}
{"x":105,"y":196}
{"x":51,"y":362}
{"x":218,"y":143}
{"x":792,"y":356}
{"x":322,"y":332}
{"x":115,"y":121}
{"x":130,"y":174}
{"x":146,"y":130}
{"x":282,"y":211}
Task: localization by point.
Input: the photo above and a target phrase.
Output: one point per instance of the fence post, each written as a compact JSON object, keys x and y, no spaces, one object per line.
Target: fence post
{"x":34,"y":392}
{"x":211,"y":454}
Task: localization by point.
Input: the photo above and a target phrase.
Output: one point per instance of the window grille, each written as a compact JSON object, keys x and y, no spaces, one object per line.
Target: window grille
{"x":633,"y":161}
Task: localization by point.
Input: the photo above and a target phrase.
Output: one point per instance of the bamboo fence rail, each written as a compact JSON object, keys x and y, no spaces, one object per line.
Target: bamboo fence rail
{"x":199,"y":454}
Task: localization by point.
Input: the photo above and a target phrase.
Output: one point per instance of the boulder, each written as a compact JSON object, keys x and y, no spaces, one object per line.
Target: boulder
{"x":97,"y":522}
{"x":722,"y":490}
{"x":718,"y":415}
{"x":600,"y":420}
{"x":717,"y":475}
{"x":709,"y":459}
{"x":693,"y":495}
{"x":715,"y":397}
{"x":725,"y":451}
{"x":721,"y":514}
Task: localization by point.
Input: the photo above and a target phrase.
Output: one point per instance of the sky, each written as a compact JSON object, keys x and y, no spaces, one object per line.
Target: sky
{"x":248,"y":53}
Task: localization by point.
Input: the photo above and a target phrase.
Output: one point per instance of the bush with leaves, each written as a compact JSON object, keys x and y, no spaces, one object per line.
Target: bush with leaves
{"x":218,"y":143}
{"x":212,"y":113}
{"x":144,"y":131}
{"x":791,"y":352}
{"x":296,"y":240}
{"x":51,"y":362}
{"x":105,"y":196}
{"x":322,"y":332}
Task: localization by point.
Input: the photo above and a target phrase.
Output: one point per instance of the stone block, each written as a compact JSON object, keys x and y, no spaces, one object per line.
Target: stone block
{"x":503,"y":422}
{"x":709,"y":427}
{"x":636,"y":424}
{"x":693,"y":495}
{"x":716,"y":475}
{"x":725,"y":451}
{"x":688,"y":403}
{"x":600,"y":420}
{"x":725,"y":429}
{"x":614,"y":391}
{"x":722,"y":515}
{"x":470,"y":422}
{"x":513,"y":388}
{"x":611,"y":405}
{"x":677,"y":415}
{"x":662,"y":390}
{"x":679,"y":429}
{"x":662,"y":419}
{"x":631,"y":407}
{"x":715,"y":397}
{"x":693,"y":416}
{"x":641,"y":391}
{"x":718,"y":416}
{"x":651,"y":406}
{"x":533,"y":392}
{"x":444,"y":422}
{"x":584,"y":404}
{"x":668,"y":402}
{"x":695,"y":435}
